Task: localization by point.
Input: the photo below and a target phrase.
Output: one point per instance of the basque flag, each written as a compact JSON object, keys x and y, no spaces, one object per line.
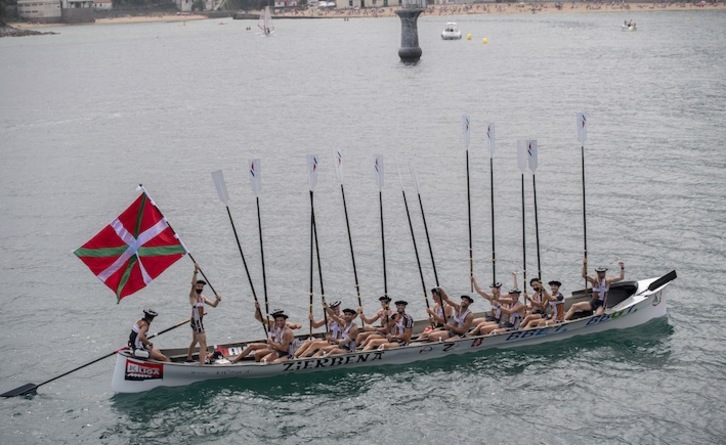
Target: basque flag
{"x":133,"y":249}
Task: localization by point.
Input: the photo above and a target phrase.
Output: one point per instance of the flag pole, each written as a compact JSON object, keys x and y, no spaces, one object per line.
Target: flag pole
{"x":191,"y":257}
{"x":413,"y":238}
{"x":466,"y":122}
{"x":339,"y":171}
{"x":221,"y":187}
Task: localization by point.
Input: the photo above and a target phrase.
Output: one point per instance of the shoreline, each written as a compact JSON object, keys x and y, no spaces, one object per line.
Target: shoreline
{"x":433,"y":10}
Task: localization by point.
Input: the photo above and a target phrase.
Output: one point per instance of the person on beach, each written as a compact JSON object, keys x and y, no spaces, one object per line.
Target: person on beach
{"x":138,"y":339}
{"x":198,"y":300}
{"x":461,"y":320}
{"x":400,"y":330}
{"x":600,"y":287}
{"x":279,"y":341}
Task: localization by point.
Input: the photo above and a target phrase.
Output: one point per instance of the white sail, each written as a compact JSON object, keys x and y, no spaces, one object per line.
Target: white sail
{"x":265,"y":23}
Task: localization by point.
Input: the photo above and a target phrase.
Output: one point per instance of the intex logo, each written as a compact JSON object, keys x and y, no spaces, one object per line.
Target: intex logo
{"x":143,"y":371}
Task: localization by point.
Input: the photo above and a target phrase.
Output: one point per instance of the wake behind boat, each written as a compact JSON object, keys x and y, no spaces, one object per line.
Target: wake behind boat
{"x":630,"y":304}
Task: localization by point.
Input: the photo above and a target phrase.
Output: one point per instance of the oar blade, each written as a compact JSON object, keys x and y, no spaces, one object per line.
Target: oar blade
{"x":221,"y":187}
{"x":412,"y":169}
{"x":21,"y":391}
{"x":490,"y":139}
{"x":379,"y":172}
{"x":466,"y":129}
{"x":256,"y":176}
{"x":522,"y":155}
{"x":582,"y":127}
{"x":532,"y":155}
{"x":312,"y":171}
{"x":339,"y":165}
{"x":665,"y":279}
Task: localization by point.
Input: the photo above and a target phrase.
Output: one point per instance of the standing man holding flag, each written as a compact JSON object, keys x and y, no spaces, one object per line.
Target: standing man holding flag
{"x":198,"y":300}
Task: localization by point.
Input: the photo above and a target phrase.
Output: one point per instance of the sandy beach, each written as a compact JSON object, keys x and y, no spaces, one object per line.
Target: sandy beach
{"x":442,"y":10}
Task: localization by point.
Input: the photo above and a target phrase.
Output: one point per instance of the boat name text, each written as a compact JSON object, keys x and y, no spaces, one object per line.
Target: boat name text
{"x":329,"y":362}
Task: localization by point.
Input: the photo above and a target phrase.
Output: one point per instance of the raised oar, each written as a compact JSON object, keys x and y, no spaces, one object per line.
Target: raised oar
{"x":221,"y":187}
{"x":378,"y":170}
{"x":490,"y":145}
{"x":32,"y":387}
{"x":466,"y":127}
{"x":413,"y":238}
{"x":256,"y":184}
{"x":582,"y":136}
{"x":312,"y":181}
{"x":423,"y":216}
{"x":522,"y":163}
{"x":339,"y":171}
{"x":532,"y":158}
{"x":191,"y":257}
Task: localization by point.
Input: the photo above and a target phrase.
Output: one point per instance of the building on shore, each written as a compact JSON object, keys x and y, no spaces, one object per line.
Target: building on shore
{"x":40,"y":11}
{"x":105,"y":5}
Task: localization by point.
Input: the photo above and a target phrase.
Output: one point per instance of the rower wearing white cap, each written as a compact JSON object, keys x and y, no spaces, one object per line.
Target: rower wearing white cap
{"x":600,"y":287}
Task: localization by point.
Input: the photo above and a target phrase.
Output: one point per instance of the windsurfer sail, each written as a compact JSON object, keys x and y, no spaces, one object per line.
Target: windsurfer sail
{"x":265,"y":23}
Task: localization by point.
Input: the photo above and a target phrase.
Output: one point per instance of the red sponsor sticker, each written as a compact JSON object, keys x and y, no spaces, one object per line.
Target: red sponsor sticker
{"x":143,"y":371}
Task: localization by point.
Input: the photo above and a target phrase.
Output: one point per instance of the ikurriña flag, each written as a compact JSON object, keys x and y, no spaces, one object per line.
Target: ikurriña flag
{"x":133,"y":249}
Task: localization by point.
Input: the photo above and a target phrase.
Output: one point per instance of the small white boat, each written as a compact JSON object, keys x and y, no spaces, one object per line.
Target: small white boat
{"x":630,"y":304}
{"x":451,"y":32}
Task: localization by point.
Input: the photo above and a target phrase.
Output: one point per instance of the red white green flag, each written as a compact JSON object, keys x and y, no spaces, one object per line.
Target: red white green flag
{"x":133,"y":249}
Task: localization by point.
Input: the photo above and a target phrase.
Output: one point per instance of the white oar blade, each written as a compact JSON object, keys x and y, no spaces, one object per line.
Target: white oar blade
{"x":256,"y":176}
{"x":412,"y":168}
{"x":522,"y":155}
{"x":221,"y":187}
{"x":400,"y":178}
{"x":466,"y":128}
{"x":582,"y":127}
{"x":339,"y":165}
{"x":532,"y":155}
{"x":312,"y":171}
{"x":490,"y":139}
{"x":378,"y":170}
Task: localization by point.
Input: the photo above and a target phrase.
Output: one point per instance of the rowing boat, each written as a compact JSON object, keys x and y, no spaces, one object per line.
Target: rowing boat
{"x":630,"y":304}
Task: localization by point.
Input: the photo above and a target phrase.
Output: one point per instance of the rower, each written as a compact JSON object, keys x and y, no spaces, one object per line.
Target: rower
{"x":492,"y":296}
{"x":312,"y":345}
{"x":198,"y":300}
{"x":382,"y":314}
{"x":600,"y":287}
{"x":139,"y":343}
{"x":400,"y":329}
{"x":538,"y":302}
{"x":348,"y":333}
{"x":436,"y":313}
{"x":555,"y":308}
{"x":514,"y":311}
{"x":279,"y":341}
{"x":461,"y":320}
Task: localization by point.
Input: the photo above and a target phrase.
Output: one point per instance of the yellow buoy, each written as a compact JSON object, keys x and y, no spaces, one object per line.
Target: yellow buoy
{"x":485,"y":40}
{"x":468,"y":37}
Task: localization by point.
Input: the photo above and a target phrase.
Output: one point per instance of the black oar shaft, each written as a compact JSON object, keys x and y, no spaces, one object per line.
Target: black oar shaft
{"x":383,"y":244}
{"x":428,"y":240}
{"x":468,"y":206}
{"x":352,"y":254}
{"x":247,"y":270}
{"x":491,"y":190}
{"x":320,"y":269}
{"x":524,"y":241}
{"x":262,"y":255}
{"x":312,"y":268}
{"x":28,"y":388}
{"x":536,"y":226}
{"x":415,"y":248}
{"x":584,"y":214}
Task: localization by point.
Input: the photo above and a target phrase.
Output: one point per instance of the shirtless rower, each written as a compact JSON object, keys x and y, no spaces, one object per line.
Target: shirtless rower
{"x":600,"y":287}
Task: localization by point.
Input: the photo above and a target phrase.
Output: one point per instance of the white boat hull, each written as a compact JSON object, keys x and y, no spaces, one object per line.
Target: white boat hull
{"x":133,"y":375}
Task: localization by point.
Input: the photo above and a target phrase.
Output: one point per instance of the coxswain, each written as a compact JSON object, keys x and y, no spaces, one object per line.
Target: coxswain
{"x":198,"y":300}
